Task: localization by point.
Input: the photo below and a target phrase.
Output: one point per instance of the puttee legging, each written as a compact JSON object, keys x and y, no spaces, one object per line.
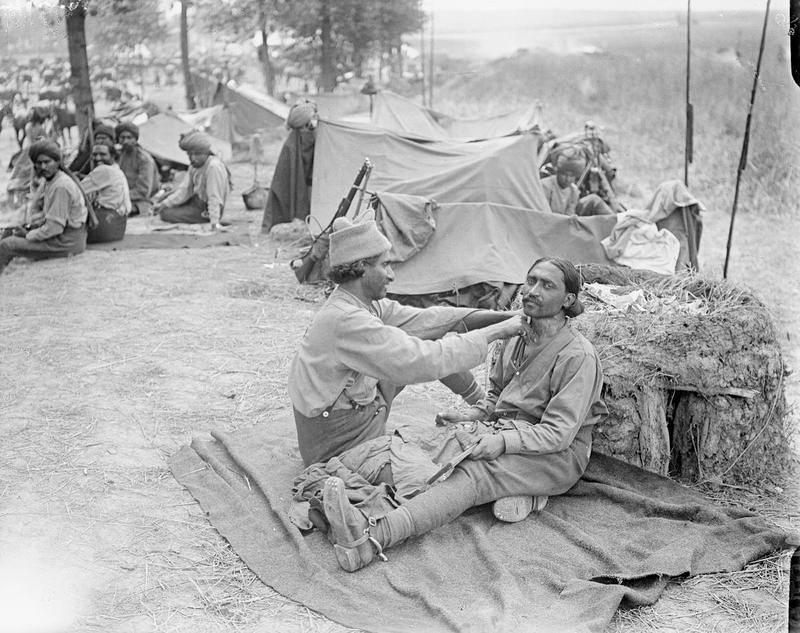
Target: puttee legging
{"x":475,"y":482}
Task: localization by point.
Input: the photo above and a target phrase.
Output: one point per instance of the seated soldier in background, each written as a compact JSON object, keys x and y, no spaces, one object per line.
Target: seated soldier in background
{"x":362,"y":348}
{"x":562,"y":192}
{"x":200,"y":196}
{"x":530,"y":438}
{"x":59,"y":229}
{"x":107,"y":190}
{"x":81,"y":165}
{"x":139,"y":168}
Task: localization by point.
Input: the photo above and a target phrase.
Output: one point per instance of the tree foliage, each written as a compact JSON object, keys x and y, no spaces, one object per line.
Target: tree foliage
{"x":122,"y":24}
{"x":326,"y":38}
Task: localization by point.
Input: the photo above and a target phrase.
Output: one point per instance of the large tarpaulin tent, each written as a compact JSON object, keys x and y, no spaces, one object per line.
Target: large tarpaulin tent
{"x":395,"y":112}
{"x":491,"y":217}
{"x":160,"y":134}
{"x":487,"y":242}
{"x":502,"y":171}
{"x":250,"y":109}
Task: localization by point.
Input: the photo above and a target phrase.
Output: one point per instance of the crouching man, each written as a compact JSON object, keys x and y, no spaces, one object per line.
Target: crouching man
{"x":362,"y":348}
{"x":200,"y":197}
{"x":530,"y":438}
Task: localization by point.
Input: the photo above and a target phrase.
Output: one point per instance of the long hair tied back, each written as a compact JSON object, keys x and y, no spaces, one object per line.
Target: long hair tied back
{"x":572,"y":282}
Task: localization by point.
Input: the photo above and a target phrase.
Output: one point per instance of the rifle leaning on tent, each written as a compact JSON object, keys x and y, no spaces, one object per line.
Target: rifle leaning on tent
{"x":302,"y":265}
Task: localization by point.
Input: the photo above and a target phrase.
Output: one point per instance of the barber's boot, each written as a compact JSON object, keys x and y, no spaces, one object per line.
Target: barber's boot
{"x":518,"y":507}
{"x":349,"y":529}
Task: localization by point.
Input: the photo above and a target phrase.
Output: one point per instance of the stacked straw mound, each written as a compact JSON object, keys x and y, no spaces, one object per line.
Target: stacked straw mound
{"x":694,"y":378}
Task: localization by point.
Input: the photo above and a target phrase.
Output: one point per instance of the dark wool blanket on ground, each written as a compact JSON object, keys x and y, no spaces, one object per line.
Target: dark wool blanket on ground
{"x":612,"y":541}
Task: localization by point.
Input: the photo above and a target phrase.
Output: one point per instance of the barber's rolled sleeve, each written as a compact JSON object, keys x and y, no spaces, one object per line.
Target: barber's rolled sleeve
{"x":370,"y":347}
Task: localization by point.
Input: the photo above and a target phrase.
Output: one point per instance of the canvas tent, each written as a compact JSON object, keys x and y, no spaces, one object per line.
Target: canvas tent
{"x":160,"y":134}
{"x":501,"y":170}
{"x":250,"y":109}
{"x":486,"y":242}
{"x":402,"y":115}
{"x":464,"y":213}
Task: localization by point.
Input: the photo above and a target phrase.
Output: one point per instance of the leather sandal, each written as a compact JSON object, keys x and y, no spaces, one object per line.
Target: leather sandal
{"x":353,"y":544}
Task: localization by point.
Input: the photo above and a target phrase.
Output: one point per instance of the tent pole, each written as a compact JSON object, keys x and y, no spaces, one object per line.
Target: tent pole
{"x":430,"y":78}
{"x":423,"y":68}
{"x":687,"y":154}
{"x":745,"y":141}
{"x":688,"y":222}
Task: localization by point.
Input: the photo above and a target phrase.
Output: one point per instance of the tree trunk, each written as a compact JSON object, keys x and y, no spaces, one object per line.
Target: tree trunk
{"x":79,"y":66}
{"x":327,"y":67}
{"x":269,"y":75}
{"x":187,"y":76}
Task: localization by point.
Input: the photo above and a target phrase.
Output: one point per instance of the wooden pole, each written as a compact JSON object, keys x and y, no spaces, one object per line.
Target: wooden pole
{"x":422,"y":66}
{"x":188,"y":84}
{"x":431,"y":76}
{"x":688,"y":222}
{"x":745,"y":141}
{"x":687,"y":155}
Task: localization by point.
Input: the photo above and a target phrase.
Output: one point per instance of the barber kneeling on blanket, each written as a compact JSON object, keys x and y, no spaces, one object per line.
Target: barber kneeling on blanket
{"x":361,"y":348}
{"x":200,"y":196}
{"x":533,"y":430}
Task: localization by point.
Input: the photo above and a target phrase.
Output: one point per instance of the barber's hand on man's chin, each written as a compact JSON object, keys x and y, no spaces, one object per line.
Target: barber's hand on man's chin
{"x":514,"y":326}
{"x":453,"y":416}
{"x":489,"y":447}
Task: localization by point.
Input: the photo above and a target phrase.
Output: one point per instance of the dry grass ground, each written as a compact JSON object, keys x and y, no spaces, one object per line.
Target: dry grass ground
{"x":110,"y":361}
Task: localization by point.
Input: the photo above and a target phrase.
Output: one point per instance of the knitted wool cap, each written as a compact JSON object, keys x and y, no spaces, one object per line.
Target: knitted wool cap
{"x":352,"y":242}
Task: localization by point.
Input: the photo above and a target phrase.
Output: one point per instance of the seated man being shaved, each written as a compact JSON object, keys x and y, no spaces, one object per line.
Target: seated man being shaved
{"x":361,"y":348}
{"x":530,"y":438}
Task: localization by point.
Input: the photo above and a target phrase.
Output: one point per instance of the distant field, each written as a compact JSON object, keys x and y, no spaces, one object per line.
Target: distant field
{"x":634,"y":88}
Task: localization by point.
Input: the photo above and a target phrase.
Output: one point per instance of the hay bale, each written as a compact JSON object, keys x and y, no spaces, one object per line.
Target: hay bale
{"x":694,"y":379}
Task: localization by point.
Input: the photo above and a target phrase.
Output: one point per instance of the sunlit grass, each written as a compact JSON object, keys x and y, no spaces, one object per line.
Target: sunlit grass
{"x":635,"y":90}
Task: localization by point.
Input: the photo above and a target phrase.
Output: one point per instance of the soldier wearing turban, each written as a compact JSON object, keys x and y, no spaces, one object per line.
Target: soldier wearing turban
{"x":139,"y":168}
{"x":201,"y":195}
{"x":60,"y":227}
{"x":302,"y":115}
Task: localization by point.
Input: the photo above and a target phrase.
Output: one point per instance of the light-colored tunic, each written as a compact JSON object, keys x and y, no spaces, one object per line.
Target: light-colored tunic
{"x":561,"y":201}
{"x":354,"y":356}
{"x":551,"y":394}
{"x":210,"y":183}
{"x":107,"y":186}
{"x":350,"y":347}
{"x":63,"y":206}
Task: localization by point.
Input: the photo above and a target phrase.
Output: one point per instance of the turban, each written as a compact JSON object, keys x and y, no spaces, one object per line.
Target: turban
{"x":46,"y":147}
{"x":195,"y":141}
{"x":301,"y":114}
{"x":102,"y":128}
{"x":353,"y":242}
{"x":128,"y":127}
